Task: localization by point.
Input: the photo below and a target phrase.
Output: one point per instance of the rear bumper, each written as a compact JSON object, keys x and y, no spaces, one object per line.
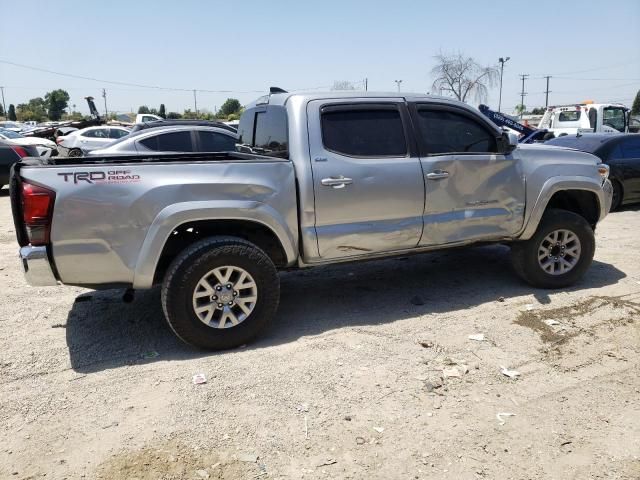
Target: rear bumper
{"x":36,"y":267}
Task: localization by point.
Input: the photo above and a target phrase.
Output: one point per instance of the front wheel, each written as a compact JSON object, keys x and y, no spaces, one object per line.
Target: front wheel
{"x":558,"y":254}
{"x":220,"y":292}
{"x":616,"y":199}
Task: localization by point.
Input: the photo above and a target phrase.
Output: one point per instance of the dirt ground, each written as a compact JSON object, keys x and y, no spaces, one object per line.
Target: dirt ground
{"x":346,"y":383}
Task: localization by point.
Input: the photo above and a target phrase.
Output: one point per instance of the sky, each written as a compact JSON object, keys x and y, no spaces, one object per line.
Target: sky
{"x":240,"y":48}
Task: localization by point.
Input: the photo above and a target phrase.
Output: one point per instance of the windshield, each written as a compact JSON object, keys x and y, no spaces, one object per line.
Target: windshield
{"x":9,"y":134}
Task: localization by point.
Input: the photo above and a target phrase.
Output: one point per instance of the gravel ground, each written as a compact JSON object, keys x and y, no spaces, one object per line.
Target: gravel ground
{"x":346,"y":383}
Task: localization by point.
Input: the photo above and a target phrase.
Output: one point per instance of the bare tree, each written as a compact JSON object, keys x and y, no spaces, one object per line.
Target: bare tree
{"x":463,"y":77}
{"x":343,"y":85}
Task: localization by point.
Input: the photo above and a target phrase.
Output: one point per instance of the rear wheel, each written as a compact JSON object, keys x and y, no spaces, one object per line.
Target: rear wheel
{"x":220,"y":292}
{"x":75,"y":152}
{"x":558,"y":254}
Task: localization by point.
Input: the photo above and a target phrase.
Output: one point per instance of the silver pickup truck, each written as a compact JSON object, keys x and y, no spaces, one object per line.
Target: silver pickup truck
{"x":317,"y":179}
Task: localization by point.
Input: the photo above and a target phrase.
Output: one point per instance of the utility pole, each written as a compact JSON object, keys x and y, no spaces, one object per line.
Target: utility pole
{"x":547,"y":92}
{"x":106,"y":112}
{"x":502,"y":62}
{"x":195,"y":101}
{"x":398,"y":82}
{"x":366,"y":84}
{"x":523,"y":77}
{"x":4,"y":105}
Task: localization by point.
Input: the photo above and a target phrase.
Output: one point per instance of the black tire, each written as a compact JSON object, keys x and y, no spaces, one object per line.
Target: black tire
{"x":75,"y":152}
{"x":524,"y":254}
{"x":616,"y":201}
{"x":192,"y":265}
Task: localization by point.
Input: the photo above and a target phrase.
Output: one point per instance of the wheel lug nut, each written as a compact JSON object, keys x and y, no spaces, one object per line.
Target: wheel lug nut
{"x":230,"y":303}
{"x":235,"y":294}
{"x":215,"y":297}
{"x":220,"y":305}
{"x":229,"y":286}
{"x":218,"y":288}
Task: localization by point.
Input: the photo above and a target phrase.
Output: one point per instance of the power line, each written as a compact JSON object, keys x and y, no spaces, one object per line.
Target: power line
{"x":126,"y":84}
{"x":591,"y":69}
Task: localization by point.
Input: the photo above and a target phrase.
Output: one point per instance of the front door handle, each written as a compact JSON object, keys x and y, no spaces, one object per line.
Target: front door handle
{"x":437,"y":174}
{"x":336,"y":182}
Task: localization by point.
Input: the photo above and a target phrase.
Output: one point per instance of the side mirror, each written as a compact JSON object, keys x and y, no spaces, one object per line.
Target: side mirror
{"x":507,"y":143}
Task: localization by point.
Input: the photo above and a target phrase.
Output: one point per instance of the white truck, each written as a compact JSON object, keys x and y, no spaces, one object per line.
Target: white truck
{"x":586,"y":117}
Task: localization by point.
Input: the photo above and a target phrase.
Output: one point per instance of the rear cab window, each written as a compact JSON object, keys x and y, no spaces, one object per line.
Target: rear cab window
{"x":264,"y":130}
{"x":569,"y":116}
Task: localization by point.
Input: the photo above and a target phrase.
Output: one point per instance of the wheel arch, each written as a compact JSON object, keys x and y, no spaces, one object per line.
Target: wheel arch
{"x":179,"y":226}
{"x":583,"y":196}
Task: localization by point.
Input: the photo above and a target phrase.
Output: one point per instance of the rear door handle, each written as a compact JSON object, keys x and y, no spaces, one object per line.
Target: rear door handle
{"x":437,"y":174}
{"x":336,"y":182}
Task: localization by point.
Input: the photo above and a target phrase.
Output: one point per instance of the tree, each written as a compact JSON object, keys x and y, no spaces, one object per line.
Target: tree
{"x":520,"y":109}
{"x":12,"y":113}
{"x":162,"y":112}
{"x":143,"y":109}
{"x":463,"y":77}
{"x":538,"y":111}
{"x":635,"y":108}
{"x":230,"y":106}
{"x":173,"y":115}
{"x":1,"y":111}
{"x":36,"y":110}
{"x":342,"y":85}
{"x":56,"y":103}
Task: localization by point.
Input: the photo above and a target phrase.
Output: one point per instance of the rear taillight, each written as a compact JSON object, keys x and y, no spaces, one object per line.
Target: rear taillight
{"x":20,"y":151}
{"x":37,"y":208}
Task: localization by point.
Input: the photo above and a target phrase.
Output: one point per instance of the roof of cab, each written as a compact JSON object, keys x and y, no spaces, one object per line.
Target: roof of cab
{"x":283,"y":98}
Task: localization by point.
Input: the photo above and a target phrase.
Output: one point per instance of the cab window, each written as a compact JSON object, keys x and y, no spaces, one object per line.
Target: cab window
{"x":569,"y":116}
{"x":614,"y":117}
{"x":443,"y":132}
{"x":364,"y":132}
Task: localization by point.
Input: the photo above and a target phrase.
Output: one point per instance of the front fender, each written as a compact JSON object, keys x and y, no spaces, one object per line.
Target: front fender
{"x":556,"y":184}
{"x":177,"y":214}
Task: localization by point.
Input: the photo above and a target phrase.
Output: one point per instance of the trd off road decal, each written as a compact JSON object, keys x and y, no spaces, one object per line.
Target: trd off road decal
{"x":99,"y":176}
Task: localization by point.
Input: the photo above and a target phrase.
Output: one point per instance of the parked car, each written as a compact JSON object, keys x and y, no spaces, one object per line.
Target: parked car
{"x":620,"y":152}
{"x":181,"y":123}
{"x":10,"y":154}
{"x":45,"y":148}
{"x":634,"y":124}
{"x":342,"y":176}
{"x":13,"y":126}
{"x":172,"y":139}
{"x":80,"y":142}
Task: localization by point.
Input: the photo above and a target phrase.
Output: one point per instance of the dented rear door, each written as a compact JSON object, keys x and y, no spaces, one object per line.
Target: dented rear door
{"x":367,"y":180}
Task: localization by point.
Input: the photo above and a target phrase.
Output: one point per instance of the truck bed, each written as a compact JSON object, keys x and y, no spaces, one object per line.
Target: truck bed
{"x":113,"y":215}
